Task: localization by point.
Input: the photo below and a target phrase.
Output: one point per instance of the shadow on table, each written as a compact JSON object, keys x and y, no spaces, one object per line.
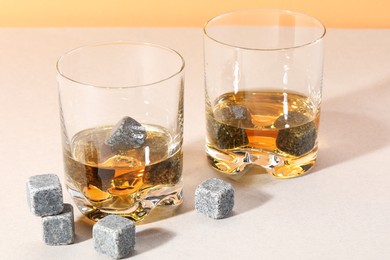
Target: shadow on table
{"x":354,"y":125}
{"x":151,"y":238}
{"x":83,"y":229}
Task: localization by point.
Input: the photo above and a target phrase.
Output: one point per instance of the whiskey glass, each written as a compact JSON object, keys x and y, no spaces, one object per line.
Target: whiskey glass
{"x":263,"y":85}
{"x":121,"y":110}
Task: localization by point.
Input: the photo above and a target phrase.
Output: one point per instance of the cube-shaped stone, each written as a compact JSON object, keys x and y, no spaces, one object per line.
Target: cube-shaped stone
{"x":114,"y":236}
{"x":59,"y":229}
{"x":297,"y":134}
{"x":44,"y":195}
{"x":127,"y":134}
{"x":214,"y":198}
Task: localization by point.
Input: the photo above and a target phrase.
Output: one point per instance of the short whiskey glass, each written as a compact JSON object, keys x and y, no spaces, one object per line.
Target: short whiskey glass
{"x":121,"y":109}
{"x":263,"y":85}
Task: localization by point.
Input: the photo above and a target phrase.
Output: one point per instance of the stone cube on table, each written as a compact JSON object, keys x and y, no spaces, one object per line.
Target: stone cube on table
{"x":59,"y":229}
{"x":44,"y":195}
{"x":214,"y":198}
{"x":114,"y":236}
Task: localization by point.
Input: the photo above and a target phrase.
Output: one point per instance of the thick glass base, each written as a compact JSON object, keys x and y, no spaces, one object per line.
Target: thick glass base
{"x":143,"y":202}
{"x":235,"y":162}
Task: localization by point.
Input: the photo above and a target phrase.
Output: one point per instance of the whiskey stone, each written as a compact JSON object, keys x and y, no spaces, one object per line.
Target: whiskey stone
{"x":297,"y":135}
{"x":127,"y":134}
{"x":114,"y":236}
{"x":214,"y":198}
{"x":237,"y":115}
{"x":164,"y":172}
{"x":229,"y":132}
{"x":228,"y":137}
{"x":59,"y":229}
{"x":291,"y":119}
{"x":44,"y":195}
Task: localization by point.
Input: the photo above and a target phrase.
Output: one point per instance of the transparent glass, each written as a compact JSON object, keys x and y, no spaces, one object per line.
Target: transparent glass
{"x":263,"y":80}
{"x":121,"y":108}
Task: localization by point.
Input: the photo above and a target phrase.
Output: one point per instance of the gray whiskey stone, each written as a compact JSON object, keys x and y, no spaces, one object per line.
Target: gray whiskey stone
{"x":214,"y":198}
{"x":59,"y":229}
{"x":127,"y":134}
{"x":300,"y":135}
{"x":44,"y":195}
{"x":237,"y":115}
{"x":114,"y":236}
{"x":226,"y":127}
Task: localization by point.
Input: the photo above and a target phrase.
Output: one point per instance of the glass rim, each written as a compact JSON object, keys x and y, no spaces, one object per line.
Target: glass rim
{"x":317,"y":39}
{"x":149,"y":44}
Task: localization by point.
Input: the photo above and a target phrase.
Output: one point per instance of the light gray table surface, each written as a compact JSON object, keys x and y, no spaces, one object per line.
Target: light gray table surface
{"x":341,"y":210}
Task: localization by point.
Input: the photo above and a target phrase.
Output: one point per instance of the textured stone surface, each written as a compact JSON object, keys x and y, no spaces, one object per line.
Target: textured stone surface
{"x":127,"y":134}
{"x":297,"y":135}
{"x":226,"y":127}
{"x":59,"y":229}
{"x":44,"y":194}
{"x":164,"y":172}
{"x":214,"y":198}
{"x":114,"y":236}
{"x":236,"y":115}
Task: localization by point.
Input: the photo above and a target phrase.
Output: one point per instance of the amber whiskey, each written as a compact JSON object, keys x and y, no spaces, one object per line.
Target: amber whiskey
{"x":129,"y":183}
{"x":275,"y":130}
